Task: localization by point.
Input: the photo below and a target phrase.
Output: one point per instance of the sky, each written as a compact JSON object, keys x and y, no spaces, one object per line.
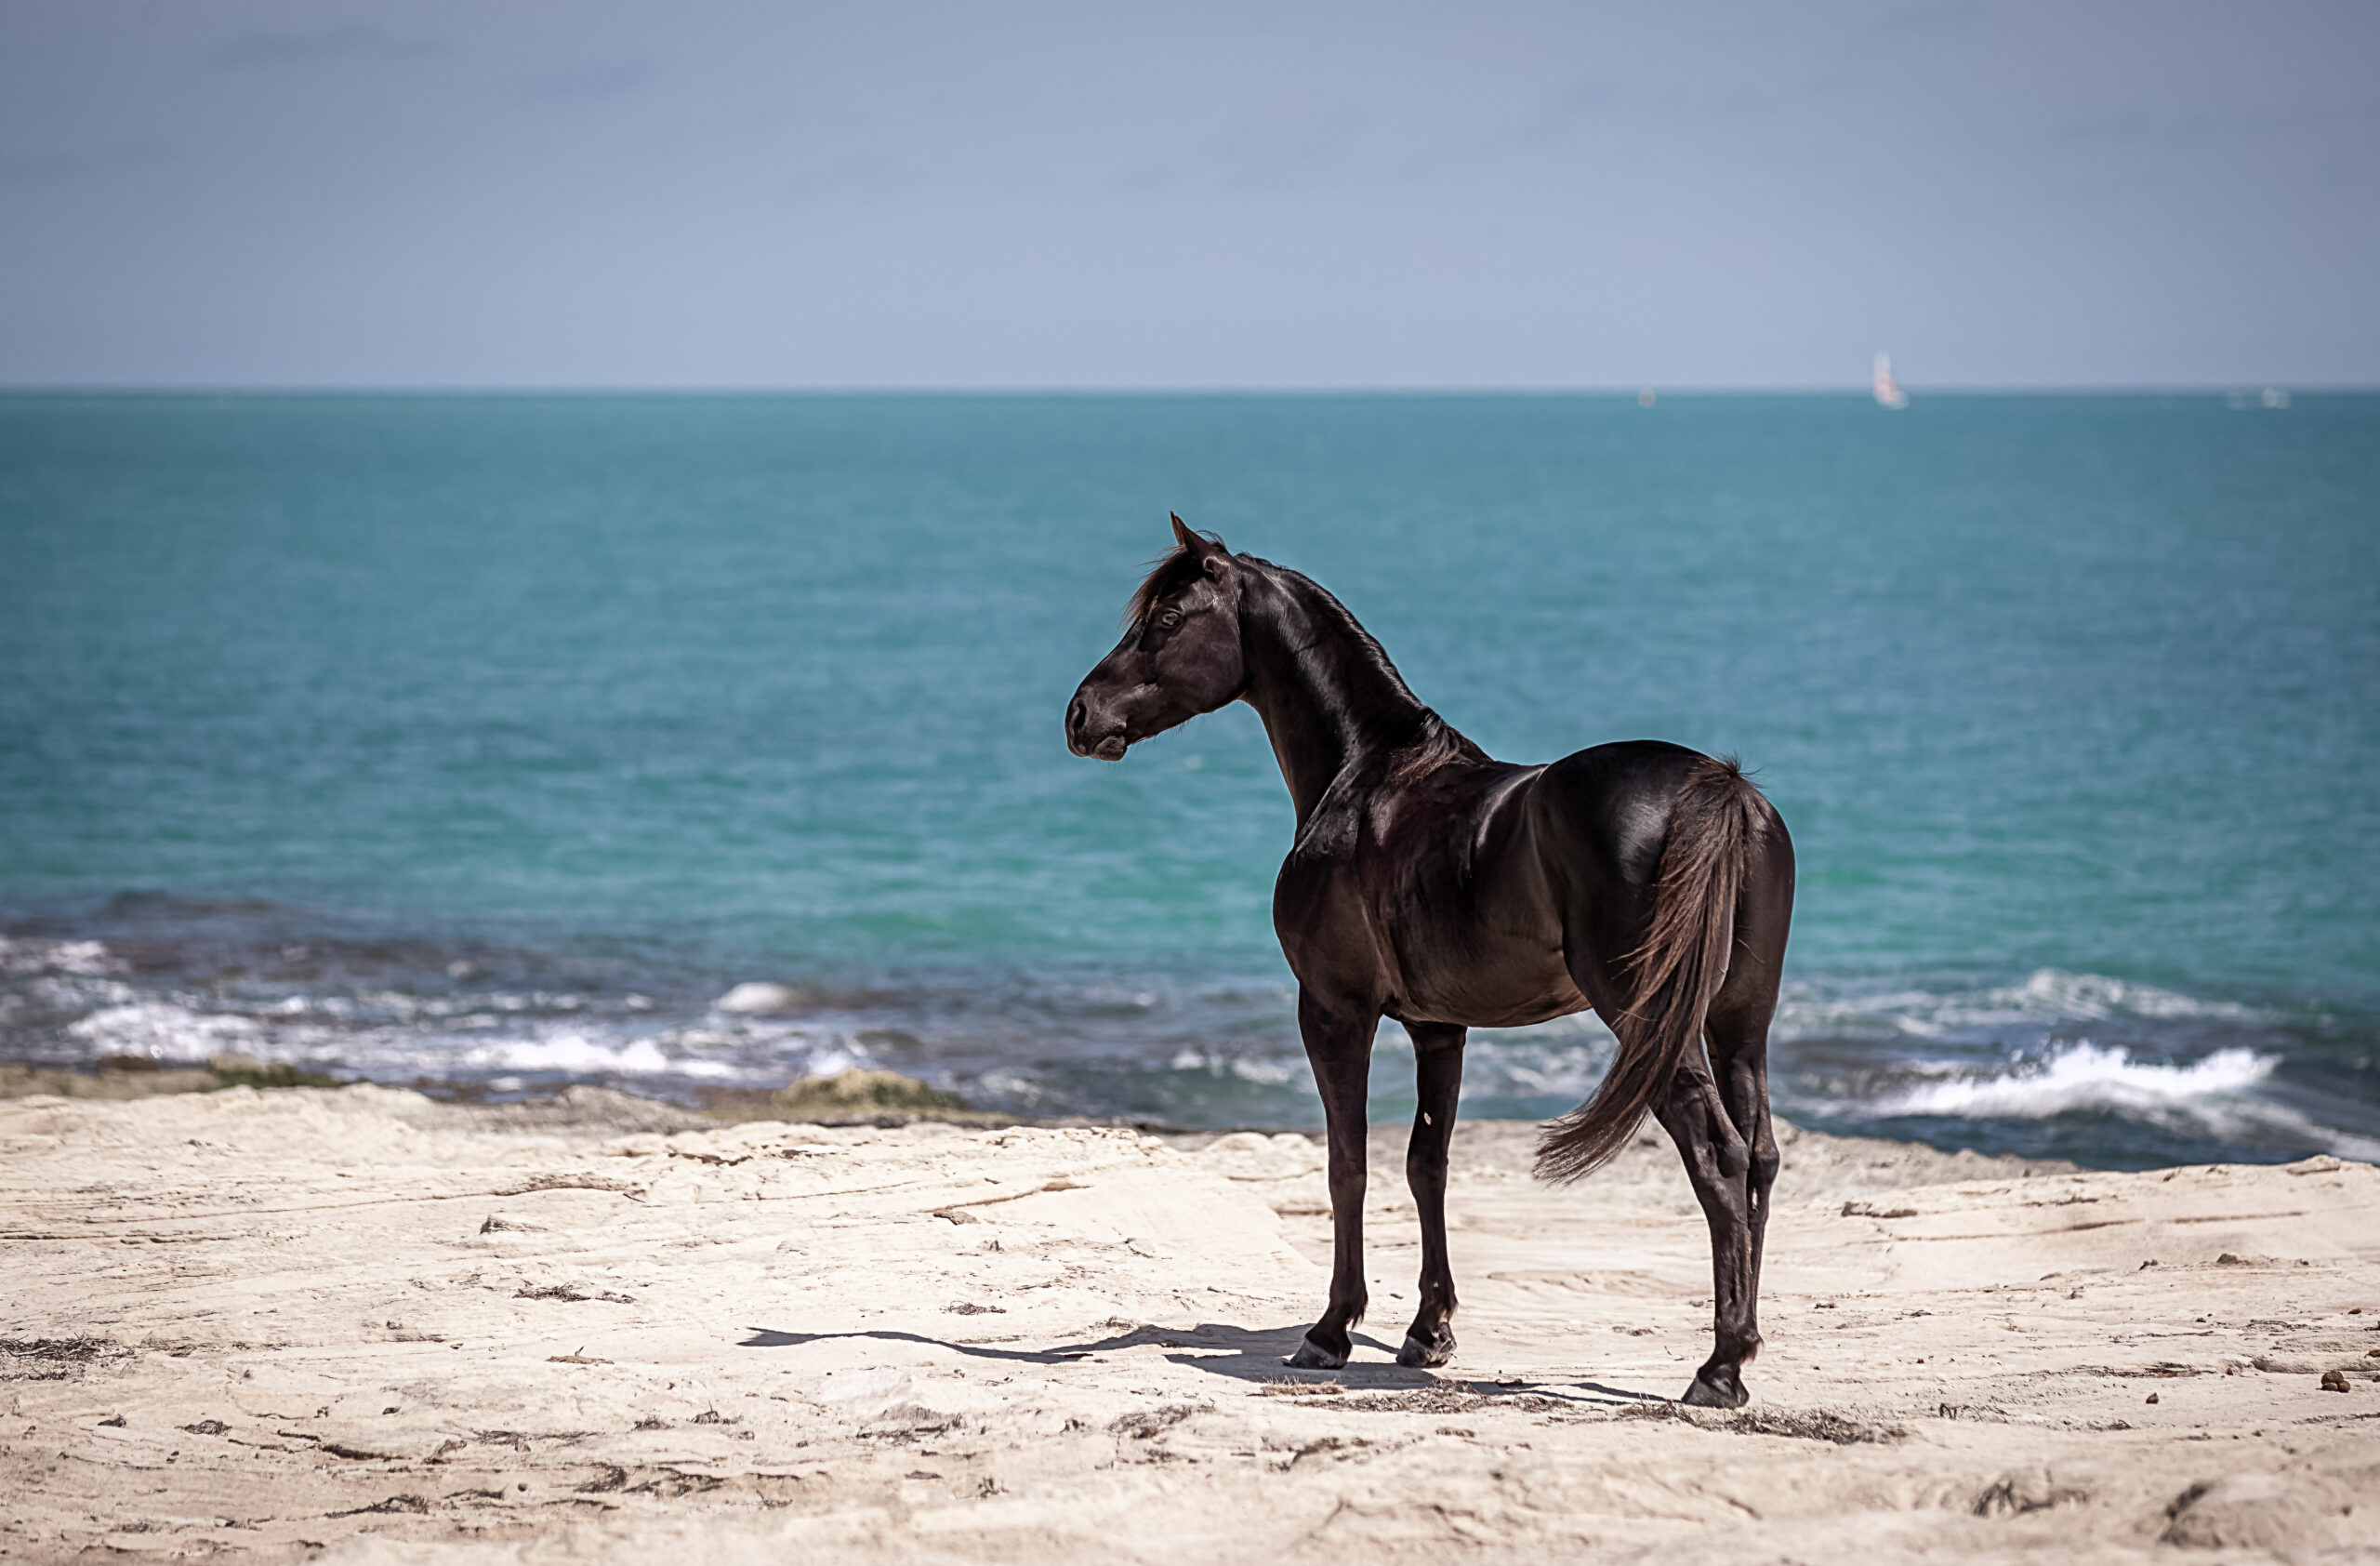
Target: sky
{"x":531,"y":193}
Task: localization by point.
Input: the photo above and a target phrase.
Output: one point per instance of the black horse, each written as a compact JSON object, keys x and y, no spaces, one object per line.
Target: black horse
{"x":1432,"y":885}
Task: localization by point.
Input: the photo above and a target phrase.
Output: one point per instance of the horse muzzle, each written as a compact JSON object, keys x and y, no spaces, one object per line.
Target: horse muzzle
{"x":1105,"y":742}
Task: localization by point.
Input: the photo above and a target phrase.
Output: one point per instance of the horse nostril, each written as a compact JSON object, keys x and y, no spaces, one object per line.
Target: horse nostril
{"x":1074,"y":716}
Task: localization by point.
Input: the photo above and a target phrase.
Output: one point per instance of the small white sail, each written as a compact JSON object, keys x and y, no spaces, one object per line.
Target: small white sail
{"x":1888,"y":391}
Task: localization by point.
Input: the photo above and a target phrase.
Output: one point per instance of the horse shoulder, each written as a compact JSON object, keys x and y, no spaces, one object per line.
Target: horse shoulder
{"x":1317,"y":903}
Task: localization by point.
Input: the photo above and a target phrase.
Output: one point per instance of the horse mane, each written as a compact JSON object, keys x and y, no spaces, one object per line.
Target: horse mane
{"x":1441,"y":744}
{"x":1437,"y":742}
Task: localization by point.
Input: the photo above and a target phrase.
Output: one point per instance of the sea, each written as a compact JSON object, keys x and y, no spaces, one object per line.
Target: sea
{"x":695,"y":743}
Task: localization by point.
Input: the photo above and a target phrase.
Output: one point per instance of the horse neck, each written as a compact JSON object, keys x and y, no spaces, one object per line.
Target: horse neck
{"x":1328,"y":694}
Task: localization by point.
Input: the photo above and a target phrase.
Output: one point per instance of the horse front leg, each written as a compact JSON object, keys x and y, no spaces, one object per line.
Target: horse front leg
{"x":1339,"y":1045}
{"x":1437,"y":1053}
{"x":1718,"y":1163}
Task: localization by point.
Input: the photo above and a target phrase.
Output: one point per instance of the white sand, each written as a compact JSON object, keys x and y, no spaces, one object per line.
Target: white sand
{"x":359,"y":1320}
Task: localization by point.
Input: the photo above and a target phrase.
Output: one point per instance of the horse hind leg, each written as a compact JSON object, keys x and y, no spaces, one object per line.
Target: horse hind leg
{"x":1739,"y":1057}
{"x":1735,"y":1115}
{"x":1718,"y":1163}
{"x":1437,"y":1052}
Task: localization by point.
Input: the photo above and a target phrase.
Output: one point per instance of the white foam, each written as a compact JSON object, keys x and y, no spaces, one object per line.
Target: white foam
{"x":80,"y":994}
{"x":2083,"y":1076}
{"x":1266,"y":1073}
{"x":2365,"y":1149}
{"x":833,"y":1059}
{"x":1564,"y":1058}
{"x":164,"y":1031}
{"x":574,"y":1051}
{"x":80,"y":958}
{"x":2213,"y":1097}
{"x":1008,"y":1085}
{"x":756,"y":998}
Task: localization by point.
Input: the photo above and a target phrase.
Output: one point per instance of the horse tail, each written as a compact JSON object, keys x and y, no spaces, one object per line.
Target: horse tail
{"x":1714,"y":822}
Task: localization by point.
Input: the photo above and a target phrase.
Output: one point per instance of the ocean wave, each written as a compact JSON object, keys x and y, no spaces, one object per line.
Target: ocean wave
{"x":1268,"y":1072}
{"x":1548,"y":1067}
{"x":2081,"y":1076}
{"x":2048,"y":997}
{"x":2219,"y":1096}
{"x":1570,"y":1071}
{"x":164,"y":1031}
{"x":54,"y":993}
{"x":23,"y":955}
{"x":171,"y":1031}
{"x":570,"y":1054}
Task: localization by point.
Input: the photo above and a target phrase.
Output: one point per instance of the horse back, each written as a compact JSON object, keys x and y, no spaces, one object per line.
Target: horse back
{"x":1485,"y":895}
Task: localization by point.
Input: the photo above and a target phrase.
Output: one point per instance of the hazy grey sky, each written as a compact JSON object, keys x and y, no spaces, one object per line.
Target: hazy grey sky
{"x":524,"y":192}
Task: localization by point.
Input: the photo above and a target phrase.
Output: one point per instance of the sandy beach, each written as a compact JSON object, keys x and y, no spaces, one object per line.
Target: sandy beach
{"x":358,"y":1325}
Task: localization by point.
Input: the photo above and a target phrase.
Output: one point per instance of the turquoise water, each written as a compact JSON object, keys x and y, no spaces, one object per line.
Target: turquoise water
{"x":493,"y":739}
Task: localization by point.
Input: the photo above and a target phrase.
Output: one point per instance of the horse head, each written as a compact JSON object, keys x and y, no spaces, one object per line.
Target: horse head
{"x":1180,"y":655}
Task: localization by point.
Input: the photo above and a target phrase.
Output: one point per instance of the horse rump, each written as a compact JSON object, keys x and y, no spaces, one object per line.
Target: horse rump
{"x":1717,"y":818}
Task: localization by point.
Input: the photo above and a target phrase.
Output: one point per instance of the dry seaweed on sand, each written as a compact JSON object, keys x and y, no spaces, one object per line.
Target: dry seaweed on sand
{"x":1443,"y":1399}
{"x":56,"y":1358}
{"x":1819,"y":1425}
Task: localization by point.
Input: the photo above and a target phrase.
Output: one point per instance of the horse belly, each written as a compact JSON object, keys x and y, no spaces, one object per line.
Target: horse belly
{"x":1474,"y":983}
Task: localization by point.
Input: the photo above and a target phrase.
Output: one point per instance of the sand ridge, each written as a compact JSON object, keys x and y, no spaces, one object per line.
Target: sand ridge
{"x":269,"y":1326}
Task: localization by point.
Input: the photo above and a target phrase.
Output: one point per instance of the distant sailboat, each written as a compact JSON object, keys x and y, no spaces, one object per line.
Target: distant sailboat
{"x":1888,"y":391}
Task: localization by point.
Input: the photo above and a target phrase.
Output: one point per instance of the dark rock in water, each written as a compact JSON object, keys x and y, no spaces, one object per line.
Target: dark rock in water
{"x":854,"y":1091}
{"x":238,"y":1070}
{"x":150,"y":1080}
{"x":130,"y":1063}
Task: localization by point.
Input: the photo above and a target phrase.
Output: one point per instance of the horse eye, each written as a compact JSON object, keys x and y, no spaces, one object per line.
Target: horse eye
{"x":1171,"y":618}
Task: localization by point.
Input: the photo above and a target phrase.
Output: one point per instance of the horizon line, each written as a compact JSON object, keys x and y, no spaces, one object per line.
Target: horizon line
{"x":1630,"y":391}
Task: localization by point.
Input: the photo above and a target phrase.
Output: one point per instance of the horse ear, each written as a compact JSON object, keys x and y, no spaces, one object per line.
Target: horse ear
{"x":1209,"y":553}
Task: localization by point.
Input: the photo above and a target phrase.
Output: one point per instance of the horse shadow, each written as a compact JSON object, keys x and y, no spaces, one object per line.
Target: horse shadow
{"x":1249,"y":1354}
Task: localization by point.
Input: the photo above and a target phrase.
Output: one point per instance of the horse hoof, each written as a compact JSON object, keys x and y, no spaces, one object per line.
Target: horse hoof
{"x":1704,"y":1394}
{"x":1419,"y":1355}
{"x":1311,"y":1356}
